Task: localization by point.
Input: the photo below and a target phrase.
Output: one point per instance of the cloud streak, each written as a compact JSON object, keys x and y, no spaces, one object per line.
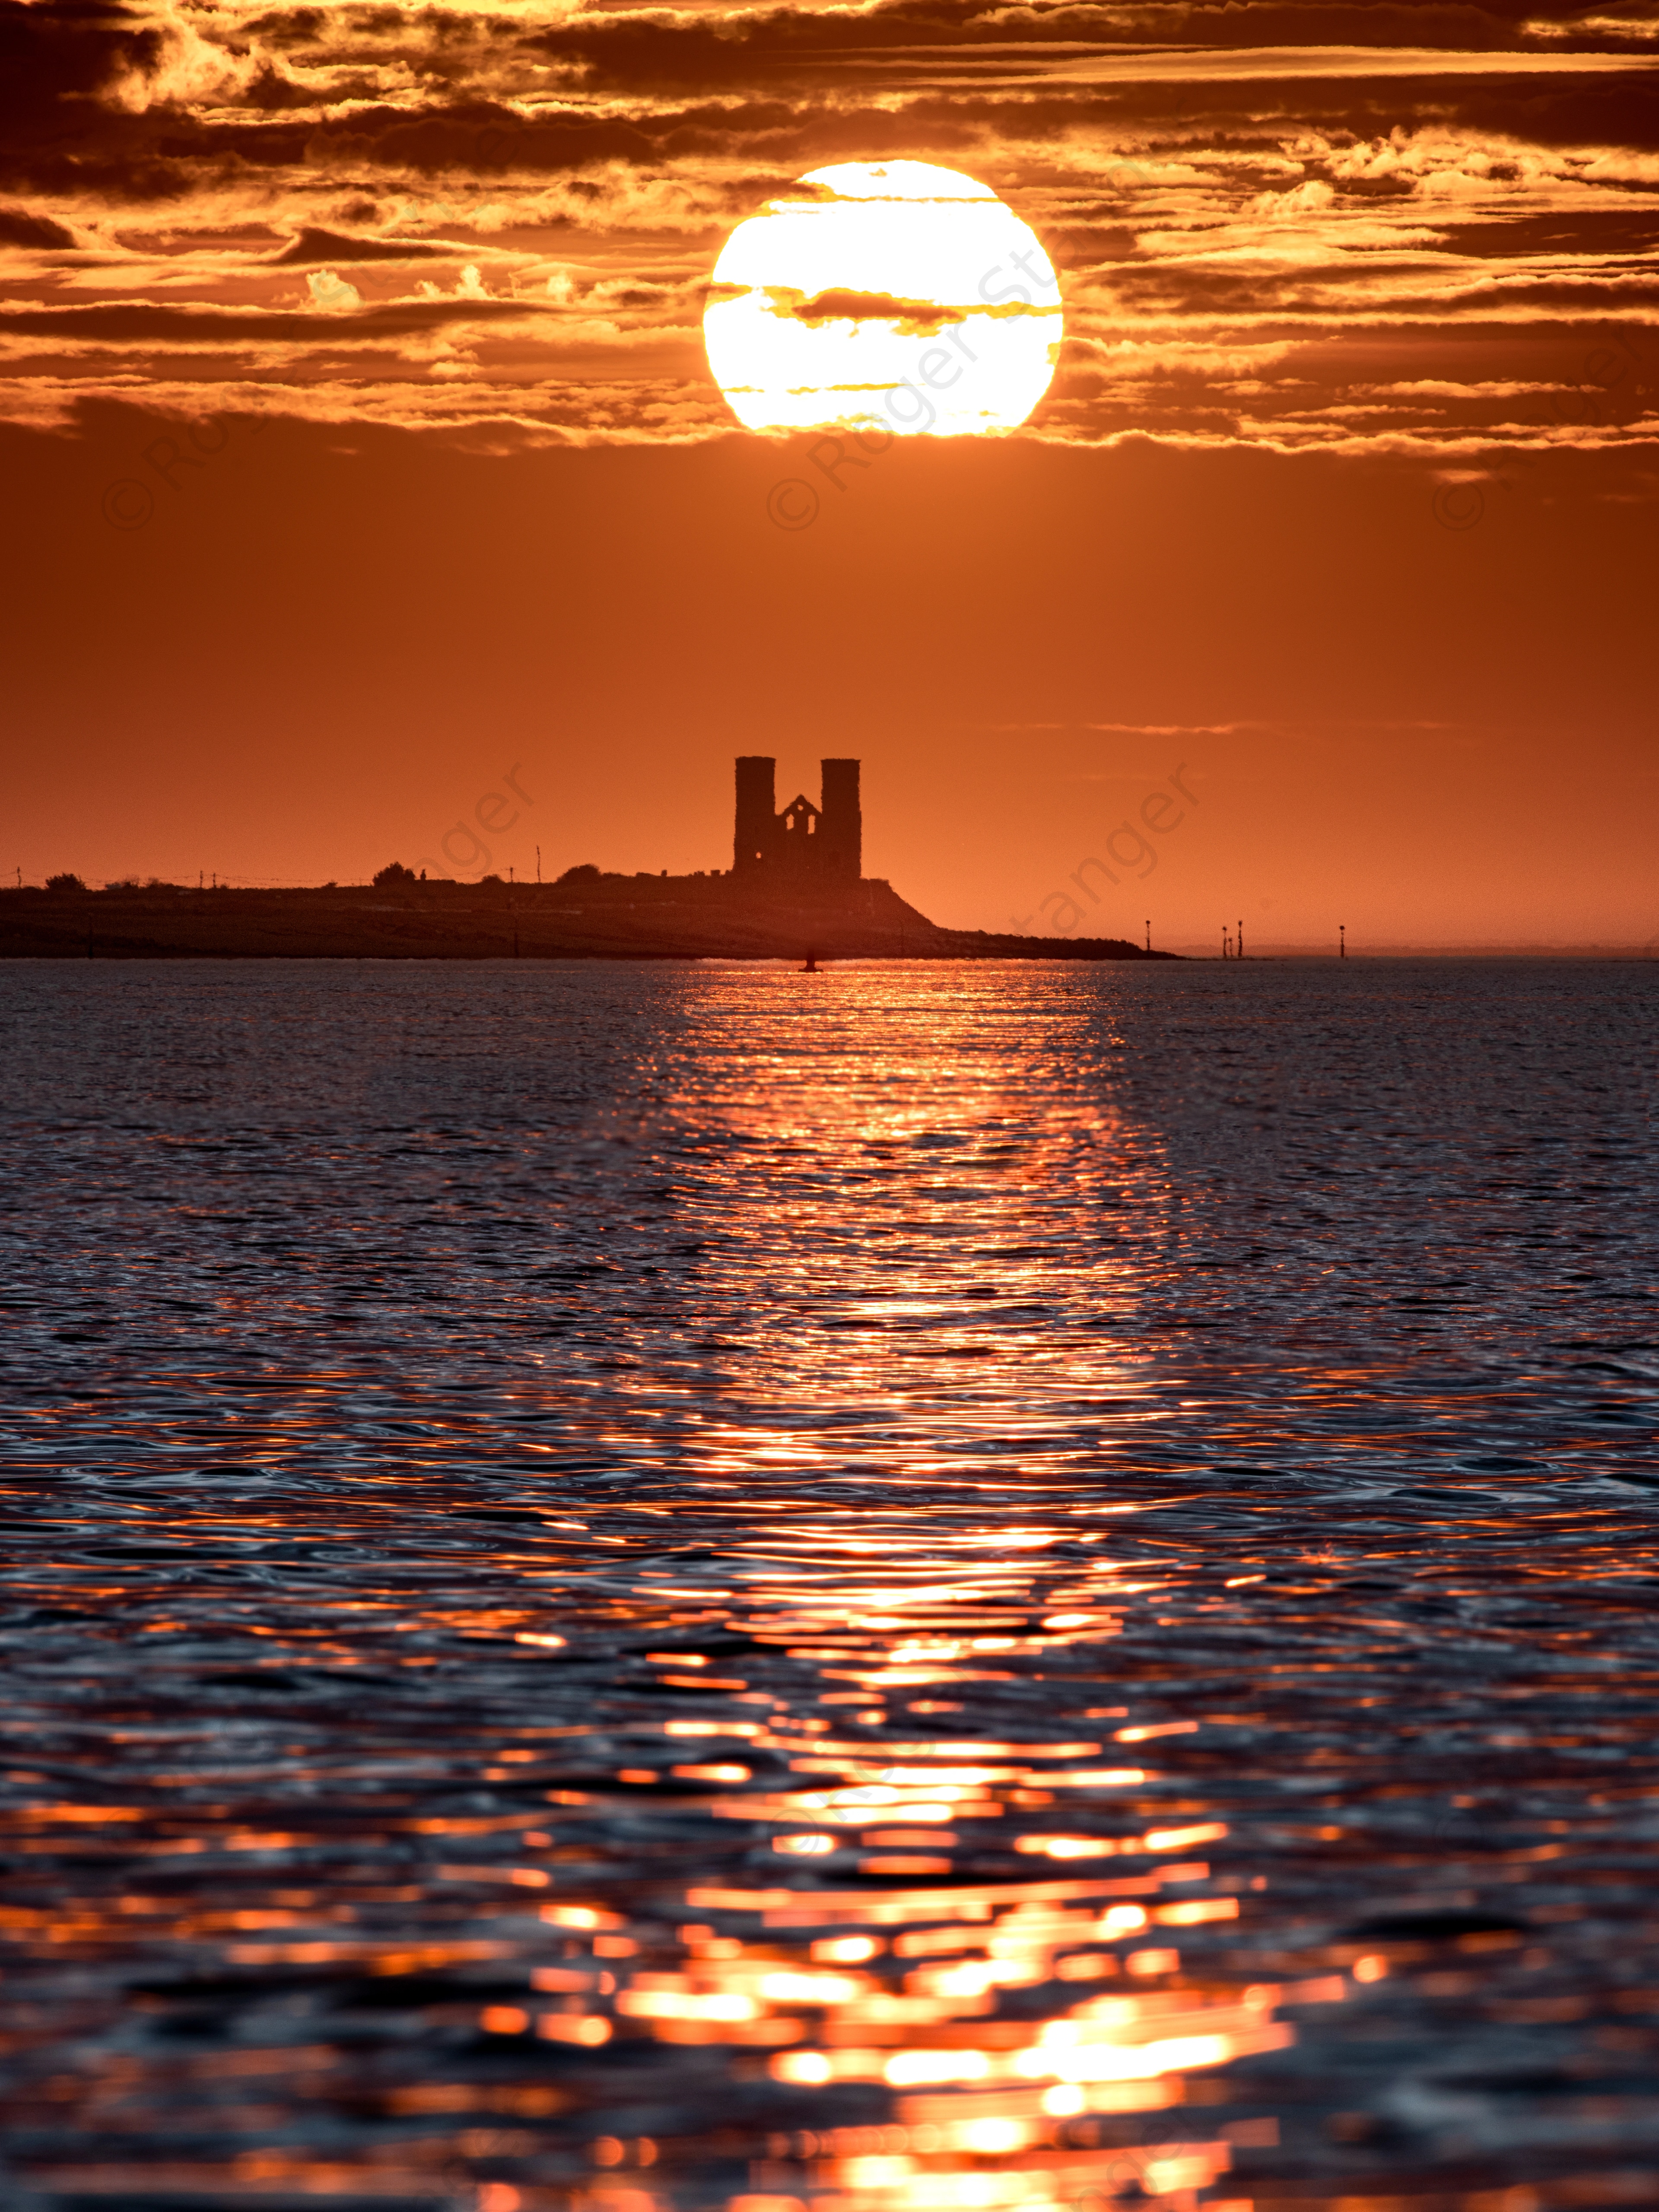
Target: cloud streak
{"x":1345,"y":229}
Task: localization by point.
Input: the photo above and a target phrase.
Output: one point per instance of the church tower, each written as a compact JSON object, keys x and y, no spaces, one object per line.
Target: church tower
{"x":757,"y":833}
{"x":804,"y":844}
{"x":841,"y":827}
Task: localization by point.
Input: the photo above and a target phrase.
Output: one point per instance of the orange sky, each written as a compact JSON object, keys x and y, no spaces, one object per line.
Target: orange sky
{"x":1339,"y":509}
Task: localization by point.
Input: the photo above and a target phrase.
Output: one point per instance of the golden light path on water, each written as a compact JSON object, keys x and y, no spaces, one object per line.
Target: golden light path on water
{"x":781,"y":1690}
{"x":897,"y":1983}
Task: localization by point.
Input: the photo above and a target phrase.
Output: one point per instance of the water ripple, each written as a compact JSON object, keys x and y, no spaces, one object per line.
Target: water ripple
{"x":905,"y":1589}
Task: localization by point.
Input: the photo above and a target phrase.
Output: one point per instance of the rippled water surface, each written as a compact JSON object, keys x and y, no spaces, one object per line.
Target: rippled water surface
{"x":912,"y":1590}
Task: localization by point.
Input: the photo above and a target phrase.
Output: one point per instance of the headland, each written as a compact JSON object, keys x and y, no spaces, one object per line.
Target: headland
{"x":795,"y":890}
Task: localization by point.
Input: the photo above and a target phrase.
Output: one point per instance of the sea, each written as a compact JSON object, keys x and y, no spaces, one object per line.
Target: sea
{"x":922,"y":1588}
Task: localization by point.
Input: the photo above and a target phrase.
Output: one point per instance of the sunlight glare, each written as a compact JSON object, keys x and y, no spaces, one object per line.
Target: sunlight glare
{"x":898,"y":295}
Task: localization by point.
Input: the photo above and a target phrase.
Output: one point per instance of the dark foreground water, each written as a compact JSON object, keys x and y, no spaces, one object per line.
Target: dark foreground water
{"x":915,"y":1589}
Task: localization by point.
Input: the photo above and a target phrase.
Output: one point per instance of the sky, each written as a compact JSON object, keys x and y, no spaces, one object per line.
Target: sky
{"x":370,"y":495}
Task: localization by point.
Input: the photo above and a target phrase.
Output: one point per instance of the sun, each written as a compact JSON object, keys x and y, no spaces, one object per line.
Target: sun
{"x":894,"y":294}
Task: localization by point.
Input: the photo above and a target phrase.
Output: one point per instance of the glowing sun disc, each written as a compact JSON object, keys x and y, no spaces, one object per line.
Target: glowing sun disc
{"x":894,"y":294}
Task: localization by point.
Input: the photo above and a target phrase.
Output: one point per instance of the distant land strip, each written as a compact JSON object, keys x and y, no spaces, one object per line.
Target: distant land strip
{"x":614,"y":917}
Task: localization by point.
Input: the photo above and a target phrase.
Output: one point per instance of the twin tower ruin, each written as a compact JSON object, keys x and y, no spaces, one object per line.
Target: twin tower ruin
{"x":822,"y":844}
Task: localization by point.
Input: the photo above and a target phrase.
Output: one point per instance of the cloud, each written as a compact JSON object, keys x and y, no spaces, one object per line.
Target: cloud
{"x":332,"y":293}
{"x":314,"y":245}
{"x":468,"y":286}
{"x":914,"y":318}
{"x":19,"y":227}
{"x":1398,"y":238}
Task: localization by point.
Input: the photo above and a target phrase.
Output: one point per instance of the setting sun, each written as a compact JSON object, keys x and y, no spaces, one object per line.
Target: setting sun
{"x":896,"y":293}
{"x":829,"y":939}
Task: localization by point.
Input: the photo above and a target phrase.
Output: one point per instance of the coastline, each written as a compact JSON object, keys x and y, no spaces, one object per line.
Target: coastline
{"x":614,"y":917}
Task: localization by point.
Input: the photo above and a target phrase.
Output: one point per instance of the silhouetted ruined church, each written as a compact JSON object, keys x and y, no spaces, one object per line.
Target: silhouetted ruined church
{"x":820,"y":844}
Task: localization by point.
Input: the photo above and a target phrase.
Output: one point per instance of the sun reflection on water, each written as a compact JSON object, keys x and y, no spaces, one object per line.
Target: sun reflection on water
{"x":782,"y":1682}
